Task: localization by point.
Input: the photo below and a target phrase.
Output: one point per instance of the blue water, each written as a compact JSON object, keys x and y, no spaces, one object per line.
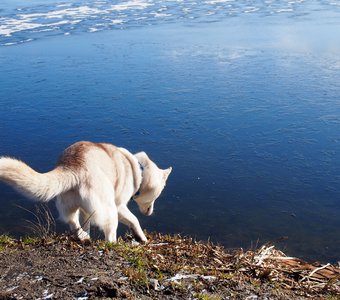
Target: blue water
{"x":241,"y":99}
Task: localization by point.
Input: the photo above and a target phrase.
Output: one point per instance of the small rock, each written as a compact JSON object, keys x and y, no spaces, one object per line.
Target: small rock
{"x":155,"y":285}
{"x":80,"y":280}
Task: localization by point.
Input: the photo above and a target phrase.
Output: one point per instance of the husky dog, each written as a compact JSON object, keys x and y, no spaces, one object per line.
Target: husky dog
{"x":93,"y":181}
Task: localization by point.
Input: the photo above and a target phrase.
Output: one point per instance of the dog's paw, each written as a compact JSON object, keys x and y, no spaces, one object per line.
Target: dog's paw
{"x":145,"y":241}
{"x":86,"y":242}
{"x":83,"y":236}
{"x":139,"y":236}
{"x":138,"y":242}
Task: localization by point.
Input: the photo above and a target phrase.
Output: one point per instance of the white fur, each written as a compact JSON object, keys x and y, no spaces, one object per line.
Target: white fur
{"x":93,"y":183}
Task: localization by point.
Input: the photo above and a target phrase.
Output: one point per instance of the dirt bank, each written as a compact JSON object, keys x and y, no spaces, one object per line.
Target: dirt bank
{"x":168,"y":267}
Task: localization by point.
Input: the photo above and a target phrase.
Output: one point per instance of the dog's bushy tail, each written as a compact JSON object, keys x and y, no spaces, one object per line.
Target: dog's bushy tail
{"x":37,"y":186}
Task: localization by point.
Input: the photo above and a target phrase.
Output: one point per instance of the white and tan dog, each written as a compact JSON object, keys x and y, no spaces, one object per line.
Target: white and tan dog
{"x":95,"y":182}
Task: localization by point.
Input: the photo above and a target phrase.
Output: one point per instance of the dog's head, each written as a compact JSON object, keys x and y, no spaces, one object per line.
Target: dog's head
{"x":153,"y":183}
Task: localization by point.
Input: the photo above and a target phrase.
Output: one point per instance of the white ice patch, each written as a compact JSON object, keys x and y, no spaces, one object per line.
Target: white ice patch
{"x":137,"y":4}
{"x":218,"y":1}
{"x":250,"y":9}
{"x":67,"y":15}
{"x":284,"y":10}
{"x":160,"y":15}
{"x":76,"y":12}
{"x":117,"y":22}
{"x":93,"y":29}
{"x":14,"y":25}
{"x":64,"y":5}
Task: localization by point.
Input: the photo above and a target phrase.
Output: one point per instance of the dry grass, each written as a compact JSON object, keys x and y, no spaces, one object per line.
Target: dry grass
{"x":43,"y":224}
{"x":175,"y":259}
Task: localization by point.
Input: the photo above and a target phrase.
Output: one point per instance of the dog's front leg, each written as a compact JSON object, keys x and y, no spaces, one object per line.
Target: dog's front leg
{"x":128,"y":218}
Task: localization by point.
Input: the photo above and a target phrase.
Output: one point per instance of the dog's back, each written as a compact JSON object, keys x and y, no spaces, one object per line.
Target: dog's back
{"x":92,"y":162}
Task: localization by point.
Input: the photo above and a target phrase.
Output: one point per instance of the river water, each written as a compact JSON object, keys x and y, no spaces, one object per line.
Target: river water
{"x":241,"y":98}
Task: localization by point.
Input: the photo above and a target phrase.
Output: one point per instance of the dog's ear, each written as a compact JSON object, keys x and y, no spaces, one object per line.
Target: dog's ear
{"x":142,"y":157}
{"x":166,"y":173}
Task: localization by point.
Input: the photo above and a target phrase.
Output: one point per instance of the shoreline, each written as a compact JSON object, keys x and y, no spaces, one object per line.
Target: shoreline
{"x":167,"y":267}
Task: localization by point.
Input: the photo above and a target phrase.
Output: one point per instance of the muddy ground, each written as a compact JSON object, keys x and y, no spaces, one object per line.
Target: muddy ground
{"x":168,"y":267}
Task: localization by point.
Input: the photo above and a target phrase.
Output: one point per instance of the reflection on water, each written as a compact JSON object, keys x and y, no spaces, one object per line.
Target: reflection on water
{"x":246,"y":110}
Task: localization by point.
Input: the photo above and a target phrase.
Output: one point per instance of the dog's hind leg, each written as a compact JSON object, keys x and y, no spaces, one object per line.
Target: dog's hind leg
{"x":110,"y":229}
{"x":100,"y":199}
{"x":69,"y":213}
{"x":75,"y":226}
{"x":107,"y":219}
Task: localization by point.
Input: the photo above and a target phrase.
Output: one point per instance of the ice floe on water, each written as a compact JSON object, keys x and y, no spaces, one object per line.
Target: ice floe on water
{"x":20,"y":24}
{"x":130,"y":5}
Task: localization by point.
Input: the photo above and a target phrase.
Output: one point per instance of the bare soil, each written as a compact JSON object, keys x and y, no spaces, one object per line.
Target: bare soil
{"x":168,"y":267}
